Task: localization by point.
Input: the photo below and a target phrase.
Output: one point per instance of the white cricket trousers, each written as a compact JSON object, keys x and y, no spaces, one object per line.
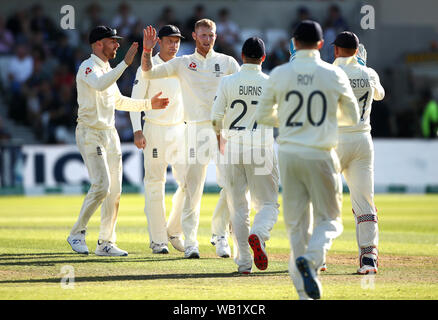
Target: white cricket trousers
{"x":310,"y":177}
{"x":220,"y":220}
{"x":201,"y":149}
{"x":356,"y":154}
{"x":261,"y":179}
{"x":164,"y":146}
{"x":102,"y":155}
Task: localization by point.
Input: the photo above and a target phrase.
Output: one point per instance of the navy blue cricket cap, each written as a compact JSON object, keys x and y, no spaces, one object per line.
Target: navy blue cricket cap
{"x":308,"y":31}
{"x":169,"y":31}
{"x":347,"y":40}
{"x":102,"y":32}
{"x":253,"y":47}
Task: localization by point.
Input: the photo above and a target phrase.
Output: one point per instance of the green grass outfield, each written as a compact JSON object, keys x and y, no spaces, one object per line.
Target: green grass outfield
{"x":33,"y":250}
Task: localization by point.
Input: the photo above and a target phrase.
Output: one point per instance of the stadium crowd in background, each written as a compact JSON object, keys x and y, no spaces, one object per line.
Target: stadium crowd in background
{"x":40,"y":77}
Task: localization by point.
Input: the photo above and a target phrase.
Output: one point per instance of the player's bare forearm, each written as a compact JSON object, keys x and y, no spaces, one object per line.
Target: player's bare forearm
{"x":146,"y":61}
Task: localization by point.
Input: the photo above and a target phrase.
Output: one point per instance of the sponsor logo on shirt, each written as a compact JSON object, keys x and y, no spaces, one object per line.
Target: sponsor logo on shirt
{"x":99,"y":151}
{"x":217,"y":70}
{"x":192,"y":66}
{"x":135,"y":82}
{"x":88,"y":70}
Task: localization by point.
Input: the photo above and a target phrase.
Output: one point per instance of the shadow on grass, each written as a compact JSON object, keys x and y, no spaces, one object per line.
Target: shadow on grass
{"x":24,"y":261}
{"x":29,"y":256}
{"x":148,"y":277}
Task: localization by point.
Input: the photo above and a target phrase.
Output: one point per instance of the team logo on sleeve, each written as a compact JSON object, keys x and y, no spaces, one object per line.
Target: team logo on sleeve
{"x":192,"y":66}
{"x":88,"y":70}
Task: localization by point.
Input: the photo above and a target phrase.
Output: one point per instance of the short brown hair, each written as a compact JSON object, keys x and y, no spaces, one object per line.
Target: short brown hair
{"x":205,"y":23}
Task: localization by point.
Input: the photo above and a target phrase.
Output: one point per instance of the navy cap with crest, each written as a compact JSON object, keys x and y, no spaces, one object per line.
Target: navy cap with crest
{"x":308,"y":31}
{"x":169,"y":31}
{"x":347,"y":40}
{"x":253,"y":47}
{"x":102,"y":32}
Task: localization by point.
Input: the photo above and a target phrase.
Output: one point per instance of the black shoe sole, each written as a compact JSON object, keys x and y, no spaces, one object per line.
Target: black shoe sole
{"x":310,"y":285}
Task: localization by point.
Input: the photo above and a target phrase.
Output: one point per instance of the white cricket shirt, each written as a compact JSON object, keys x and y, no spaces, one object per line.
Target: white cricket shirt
{"x":366,"y":86}
{"x":143,"y":88}
{"x":199,"y":78}
{"x":313,"y":98}
{"x":99,"y":96}
{"x":234,"y":108}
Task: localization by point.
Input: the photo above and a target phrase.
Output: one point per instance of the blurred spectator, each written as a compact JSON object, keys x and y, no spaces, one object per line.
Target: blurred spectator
{"x":123,"y":126}
{"x":20,"y":67}
{"x":189,"y":27}
{"x":280,"y":54}
{"x":334,"y":24}
{"x":61,"y":117}
{"x":429,"y":119}
{"x":124,"y":20}
{"x":78,"y":57}
{"x":302,"y":14}
{"x":19,"y":71}
{"x":63,"y":77}
{"x":4,"y":135}
{"x":19,"y":25}
{"x":92,"y":18}
{"x":136,"y":35}
{"x":227,"y":34}
{"x":6,"y":38}
{"x":167,"y":17}
{"x":40,"y":22}
{"x":64,"y":52}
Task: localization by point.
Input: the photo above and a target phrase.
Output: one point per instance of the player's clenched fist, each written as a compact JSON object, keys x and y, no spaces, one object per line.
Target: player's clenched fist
{"x":129,"y":56}
{"x":159,"y":103}
{"x":139,"y":139}
{"x":149,"y":38}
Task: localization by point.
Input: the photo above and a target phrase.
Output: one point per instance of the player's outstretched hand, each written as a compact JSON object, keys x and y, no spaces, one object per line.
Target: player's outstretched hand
{"x":159,"y":103}
{"x":149,"y":38}
{"x":132,"y":51}
{"x":362,"y":55}
{"x":139,"y":139}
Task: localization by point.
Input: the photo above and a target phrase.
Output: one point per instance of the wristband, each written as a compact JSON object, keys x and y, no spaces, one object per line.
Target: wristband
{"x":146,"y":50}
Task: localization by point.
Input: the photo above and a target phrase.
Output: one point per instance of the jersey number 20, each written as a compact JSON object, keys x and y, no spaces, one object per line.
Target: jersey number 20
{"x":291,"y":123}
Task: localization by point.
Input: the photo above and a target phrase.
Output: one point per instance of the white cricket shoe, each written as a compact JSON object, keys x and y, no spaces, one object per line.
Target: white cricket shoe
{"x":77,"y":242}
{"x":222,"y":247}
{"x":369,"y":265}
{"x":191,"y":253}
{"x":107,"y":248}
{"x":159,"y":248}
{"x":245,"y":268}
{"x":177,"y":242}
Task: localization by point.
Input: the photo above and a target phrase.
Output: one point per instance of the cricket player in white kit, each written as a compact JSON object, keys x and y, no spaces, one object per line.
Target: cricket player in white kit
{"x":356,"y":151}
{"x":199,"y":75}
{"x":313,"y":98}
{"x":233,"y":115}
{"x":97,"y":138}
{"x":161,"y":139}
